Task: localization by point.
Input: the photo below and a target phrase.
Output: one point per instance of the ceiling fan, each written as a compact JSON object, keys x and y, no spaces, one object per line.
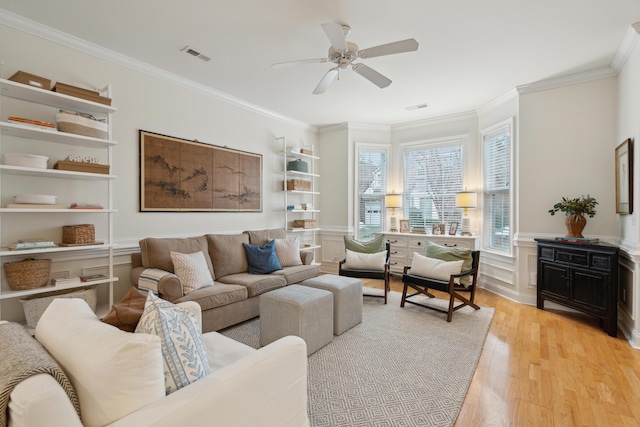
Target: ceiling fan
{"x":344,"y":53}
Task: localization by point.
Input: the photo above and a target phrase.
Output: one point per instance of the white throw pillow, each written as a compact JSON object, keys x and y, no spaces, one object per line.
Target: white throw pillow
{"x":183,"y":353}
{"x":192,"y":270}
{"x":435,"y":268}
{"x":364,"y":261}
{"x":288,"y":252}
{"x":34,"y":307}
{"x":113,"y":372}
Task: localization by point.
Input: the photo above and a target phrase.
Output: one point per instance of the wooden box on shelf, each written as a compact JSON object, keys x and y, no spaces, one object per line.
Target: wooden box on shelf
{"x":81,"y":167}
{"x":31,"y":80}
{"x":298,"y":184}
{"x":305,"y":223}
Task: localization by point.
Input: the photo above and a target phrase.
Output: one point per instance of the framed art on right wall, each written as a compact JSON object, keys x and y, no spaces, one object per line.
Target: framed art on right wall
{"x":624,"y":177}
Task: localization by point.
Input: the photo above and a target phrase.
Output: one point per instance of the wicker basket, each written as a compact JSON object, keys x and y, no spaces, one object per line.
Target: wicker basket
{"x":27,"y":274}
{"x":298,"y":184}
{"x":305,"y":223}
{"x":78,"y":234}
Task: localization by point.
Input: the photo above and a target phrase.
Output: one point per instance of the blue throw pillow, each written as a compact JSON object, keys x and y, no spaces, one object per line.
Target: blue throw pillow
{"x":262,"y":259}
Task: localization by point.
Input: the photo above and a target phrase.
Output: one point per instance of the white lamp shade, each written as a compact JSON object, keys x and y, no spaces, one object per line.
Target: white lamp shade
{"x":466,"y":199}
{"x":393,"y":201}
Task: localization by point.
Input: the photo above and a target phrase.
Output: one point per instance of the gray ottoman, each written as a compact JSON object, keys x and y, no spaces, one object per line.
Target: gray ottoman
{"x":297,"y":310}
{"x":347,"y":299}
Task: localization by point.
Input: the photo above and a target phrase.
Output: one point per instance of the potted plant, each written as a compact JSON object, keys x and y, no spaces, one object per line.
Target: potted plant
{"x":575,"y":209}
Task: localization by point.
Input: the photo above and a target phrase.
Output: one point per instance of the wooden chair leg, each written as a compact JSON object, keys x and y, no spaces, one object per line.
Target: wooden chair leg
{"x":404,"y":294}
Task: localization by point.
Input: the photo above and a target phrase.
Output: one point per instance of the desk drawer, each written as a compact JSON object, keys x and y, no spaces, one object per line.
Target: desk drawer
{"x":397,"y":241}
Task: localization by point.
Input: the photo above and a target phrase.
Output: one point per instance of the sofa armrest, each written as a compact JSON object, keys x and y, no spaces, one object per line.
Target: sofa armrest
{"x":265,"y":388}
{"x":307,"y":257}
{"x":169,"y":287}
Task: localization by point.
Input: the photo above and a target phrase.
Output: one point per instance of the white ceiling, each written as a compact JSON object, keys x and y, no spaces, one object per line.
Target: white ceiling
{"x":471,"y":51}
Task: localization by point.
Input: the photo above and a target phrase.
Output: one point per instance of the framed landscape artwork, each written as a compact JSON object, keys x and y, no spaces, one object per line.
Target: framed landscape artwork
{"x":181,"y":175}
{"x":624,"y":177}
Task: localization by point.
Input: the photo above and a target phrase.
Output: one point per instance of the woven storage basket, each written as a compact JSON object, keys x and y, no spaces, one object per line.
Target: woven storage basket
{"x":27,"y":274}
{"x":305,"y":223}
{"x":78,"y":234}
{"x":298,"y":184}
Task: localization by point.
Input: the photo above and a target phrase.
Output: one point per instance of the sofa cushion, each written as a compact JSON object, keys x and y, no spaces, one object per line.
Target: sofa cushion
{"x":192,"y":270}
{"x":113,"y":372}
{"x":298,"y":273}
{"x":256,"y":284}
{"x":260,"y":237}
{"x":126,"y":314}
{"x":262,"y":259}
{"x":156,"y":253}
{"x":184,"y":355}
{"x":216,"y":296}
{"x":288,"y":251}
{"x":227,"y":253}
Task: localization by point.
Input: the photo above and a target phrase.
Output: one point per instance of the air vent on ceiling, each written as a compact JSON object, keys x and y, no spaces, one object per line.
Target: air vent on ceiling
{"x":416,"y":107}
{"x":193,"y":52}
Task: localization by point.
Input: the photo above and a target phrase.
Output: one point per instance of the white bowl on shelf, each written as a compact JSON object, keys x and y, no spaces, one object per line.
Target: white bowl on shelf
{"x":26,"y":160}
{"x":38,"y":199}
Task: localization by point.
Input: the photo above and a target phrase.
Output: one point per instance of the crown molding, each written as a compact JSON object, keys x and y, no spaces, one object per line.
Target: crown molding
{"x":497,"y":102}
{"x":23,"y":24}
{"x":624,"y":50}
{"x":466,"y":115}
{"x":561,"y":81}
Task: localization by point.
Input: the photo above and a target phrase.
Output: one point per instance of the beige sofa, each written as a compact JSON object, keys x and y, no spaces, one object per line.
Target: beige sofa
{"x":234,"y":296}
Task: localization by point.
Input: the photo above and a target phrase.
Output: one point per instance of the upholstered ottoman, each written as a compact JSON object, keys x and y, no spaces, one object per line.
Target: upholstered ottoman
{"x":297,"y":310}
{"x":347,"y":299}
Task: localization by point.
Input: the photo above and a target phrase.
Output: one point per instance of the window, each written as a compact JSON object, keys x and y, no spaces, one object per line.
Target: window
{"x":497,"y":189}
{"x":432,"y":177}
{"x":372,"y":185}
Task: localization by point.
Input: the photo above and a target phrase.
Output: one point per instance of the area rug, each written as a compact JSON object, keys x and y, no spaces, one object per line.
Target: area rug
{"x":399,"y":367}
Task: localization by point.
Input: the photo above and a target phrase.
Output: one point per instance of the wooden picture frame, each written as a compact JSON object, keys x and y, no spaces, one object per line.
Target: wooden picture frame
{"x":438,"y":229}
{"x":178,"y":175}
{"x":405,"y":226}
{"x":624,"y":177}
{"x":453,"y":228}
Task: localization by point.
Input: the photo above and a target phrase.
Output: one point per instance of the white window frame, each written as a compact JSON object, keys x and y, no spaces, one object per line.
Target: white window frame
{"x":454,"y":140}
{"x":486,"y":133}
{"x":369,"y":147}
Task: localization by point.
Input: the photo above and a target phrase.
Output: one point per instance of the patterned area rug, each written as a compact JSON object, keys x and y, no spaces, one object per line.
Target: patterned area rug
{"x":399,"y":367}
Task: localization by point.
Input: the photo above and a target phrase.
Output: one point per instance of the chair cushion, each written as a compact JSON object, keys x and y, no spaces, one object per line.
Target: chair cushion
{"x":444,"y":253}
{"x":192,"y":270}
{"x":433,"y":268}
{"x":370,"y":246}
{"x":364,"y":261}
{"x":113,"y":372}
{"x":288,"y":251}
{"x":184,"y":356}
{"x":126,"y":314}
{"x":262,"y":259}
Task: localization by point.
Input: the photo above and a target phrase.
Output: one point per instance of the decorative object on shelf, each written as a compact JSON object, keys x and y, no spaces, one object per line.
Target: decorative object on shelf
{"x":453,"y":228}
{"x":437,"y":229}
{"x":26,"y":160}
{"x":81,"y":167}
{"x":305,"y":223}
{"x":81,"y":124}
{"x":40,"y":199}
{"x":308,"y":151}
{"x":29,"y":273}
{"x":24,"y":245}
{"x":31,"y":80}
{"x":78,"y":92}
{"x":624,"y":177}
{"x":405,"y":226}
{"x":393,"y":201}
{"x":79,"y":234}
{"x":298,"y":185}
{"x":575,"y":209}
{"x":181,"y":175}
{"x":298,"y":165}
{"x":466,"y":200}
{"x":33,"y":123}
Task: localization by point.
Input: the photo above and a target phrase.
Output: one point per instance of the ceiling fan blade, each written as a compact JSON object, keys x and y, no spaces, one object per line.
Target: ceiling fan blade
{"x":408,"y":45}
{"x":336,"y":36}
{"x":326,"y":81}
{"x":372,"y":75}
{"x":301,"y":61}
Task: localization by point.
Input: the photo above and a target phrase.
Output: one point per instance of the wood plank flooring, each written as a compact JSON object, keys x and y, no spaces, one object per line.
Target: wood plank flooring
{"x":548,"y":368}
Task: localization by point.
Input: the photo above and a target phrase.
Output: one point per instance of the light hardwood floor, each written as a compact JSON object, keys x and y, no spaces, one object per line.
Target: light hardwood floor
{"x":548,"y":368}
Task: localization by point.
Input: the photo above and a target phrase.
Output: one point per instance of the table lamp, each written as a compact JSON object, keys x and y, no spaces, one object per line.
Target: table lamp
{"x":466,"y":200}
{"x":393,"y":201}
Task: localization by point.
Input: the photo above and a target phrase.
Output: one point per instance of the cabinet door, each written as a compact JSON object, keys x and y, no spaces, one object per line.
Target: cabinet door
{"x":590,"y":289}
{"x":554,"y":279}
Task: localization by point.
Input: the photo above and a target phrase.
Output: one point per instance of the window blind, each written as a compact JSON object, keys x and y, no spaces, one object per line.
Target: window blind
{"x":497,"y":190}
{"x":432,"y":177}
{"x":372,"y":179}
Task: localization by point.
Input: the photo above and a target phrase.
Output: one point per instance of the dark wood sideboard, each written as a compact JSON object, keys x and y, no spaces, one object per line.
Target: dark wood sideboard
{"x":582,"y":276}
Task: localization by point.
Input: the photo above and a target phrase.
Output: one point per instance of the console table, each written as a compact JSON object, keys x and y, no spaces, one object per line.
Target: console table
{"x":582,"y":276}
{"x":403,"y":245}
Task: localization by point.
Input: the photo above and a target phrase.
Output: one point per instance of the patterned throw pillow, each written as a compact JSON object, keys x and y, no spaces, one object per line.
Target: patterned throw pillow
{"x":371,"y":246}
{"x":192,"y":270}
{"x":183,"y":353}
{"x":288,"y":251}
{"x":35,"y":306}
{"x":435,"y":268}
